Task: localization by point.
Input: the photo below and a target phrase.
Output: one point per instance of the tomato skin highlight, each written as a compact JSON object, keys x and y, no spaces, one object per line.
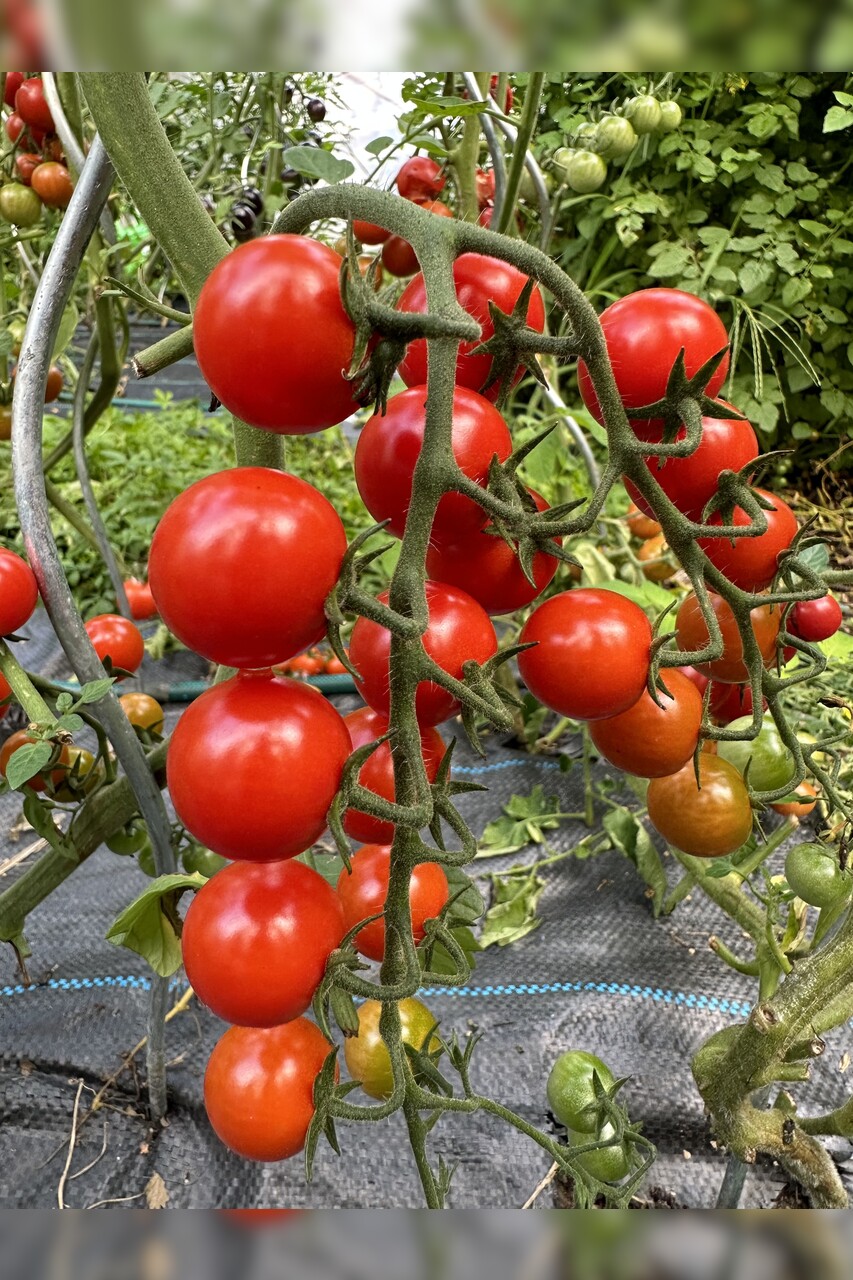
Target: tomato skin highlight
{"x":489,"y":569}
{"x":390,"y":444}
{"x":591,"y":658}
{"x":377,"y":773}
{"x":258,"y":1088}
{"x":256,"y":940}
{"x":644,"y":332}
{"x":708,"y":821}
{"x":692,"y":634}
{"x":815,"y":620}
{"x":275,"y":743}
{"x":478,"y":280}
{"x":648,"y":741}
{"x":19,"y":592}
{"x":116,"y":638}
{"x":272,"y":338}
{"x":752,"y":563}
{"x":364,"y":890}
{"x":727,"y":444}
{"x":271,"y":543}
{"x":367,"y":1058}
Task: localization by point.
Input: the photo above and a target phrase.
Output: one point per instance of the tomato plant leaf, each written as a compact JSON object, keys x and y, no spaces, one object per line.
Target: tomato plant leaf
{"x":378,"y":145}
{"x":525,"y":820}
{"x":149,"y":926}
{"x":313,"y":162}
{"x":94,"y":691}
{"x":630,"y":836}
{"x":26,"y":762}
{"x":512,"y":915}
{"x":41,"y":821}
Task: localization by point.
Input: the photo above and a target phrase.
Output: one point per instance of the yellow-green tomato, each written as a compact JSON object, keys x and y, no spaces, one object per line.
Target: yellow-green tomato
{"x":608,"y":1164}
{"x":19,"y":205}
{"x":670,"y":116}
{"x":583,"y":171}
{"x":814,"y":874}
{"x":771,"y":764}
{"x":615,"y":137}
{"x":571,"y":1089}
{"x":367,"y":1057}
{"x":644,"y":113}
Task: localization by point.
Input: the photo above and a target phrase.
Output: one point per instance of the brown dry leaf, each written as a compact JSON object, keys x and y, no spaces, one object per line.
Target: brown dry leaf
{"x":156,"y":1195}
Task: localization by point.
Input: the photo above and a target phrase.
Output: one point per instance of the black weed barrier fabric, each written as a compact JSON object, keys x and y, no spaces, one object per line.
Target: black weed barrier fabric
{"x":600,"y":974}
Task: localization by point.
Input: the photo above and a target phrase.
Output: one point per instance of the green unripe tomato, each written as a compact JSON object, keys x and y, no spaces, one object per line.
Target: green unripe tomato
{"x":571,"y":1092}
{"x":644,"y":113}
{"x":813,"y":874}
{"x":771,"y":764}
{"x":19,"y":205}
{"x":584,"y":135}
{"x":614,"y":137}
{"x":145,"y":858}
{"x":670,"y":116}
{"x":610,"y":1164}
{"x":204,"y":861}
{"x":583,"y":171}
{"x":130,"y":839}
{"x":367,"y":1058}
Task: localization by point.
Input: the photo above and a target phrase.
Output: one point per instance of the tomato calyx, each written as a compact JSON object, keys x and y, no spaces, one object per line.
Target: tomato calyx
{"x":513,"y":343}
{"x":680,"y":387}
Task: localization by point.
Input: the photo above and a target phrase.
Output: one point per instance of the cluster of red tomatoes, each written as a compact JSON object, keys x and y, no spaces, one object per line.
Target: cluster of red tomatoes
{"x":41,"y":176}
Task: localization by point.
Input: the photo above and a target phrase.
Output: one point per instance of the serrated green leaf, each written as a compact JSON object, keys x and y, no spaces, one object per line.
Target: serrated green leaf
{"x":314,"y":162}
{"x":26,"y":762}
{"x":837,"y":118}
{"x":147,"y":926}
{"x":94,"y":691}
{"x":512,"y":914}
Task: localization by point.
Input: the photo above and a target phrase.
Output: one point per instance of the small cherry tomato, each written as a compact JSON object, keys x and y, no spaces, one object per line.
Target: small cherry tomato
{"x":652,"y":741}
{"x":204,"y":862}
{"x":129,"y":839}
{"x":571,"y":1089}
{"x":752,"y":563}
{"x":644,"y":113}
{"x":118,"y":639}
{"x":143,"y":711}
{"x":769,"y":761}
{"x":25,"y":163}
{"x":398,"y":257}
{"x":14,"y":127}
{"x":377,"y":772}
{"x":334,"y":667}
{"x":18,"y":592}
{"x":259,"y":1087}
{"x":420,"y":178}
{"x":14,"y":80}
{"x":19,"y":205}
{"x":615,"y":137}
{"x":363,"y":892}
{"x":608,"y":1164}
{"x":801,"y":803}
{"x":369,"y":232}
{"x":814,"y":874}
{"x":80,"y":775}
{"x":670,"y":116}
{"x":52,"y":183}
{"x":5,"y":422}
{"x":485,"y":180}
{"x":730,"y":668}
{"x":708,"y":821}
{"x":140,"y":599}
{"x":31,"y":105}
{"x":641,"y":525}
{"x":367,"y":1058}
{"x":815,"y":620}
{"x":657,"y":566}
{"x":305,"y":665}
{"x":53,"y":385}
{"x":582,"y":171}
{"x":591,"y":656}
{"x":38,"y":782}
{"x":5,"y":695}
{"x":729,"y":702}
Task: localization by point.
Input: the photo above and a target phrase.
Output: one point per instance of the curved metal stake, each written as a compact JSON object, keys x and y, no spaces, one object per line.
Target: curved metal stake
{"x":50,"y":298}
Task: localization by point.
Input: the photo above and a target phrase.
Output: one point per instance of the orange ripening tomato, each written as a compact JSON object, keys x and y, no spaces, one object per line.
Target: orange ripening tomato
{"x":641,"y":525}
{"x":707,"y":821}
{"x":805,"y":798}
{"x":730,"y":668}
{"x":652,"y":741}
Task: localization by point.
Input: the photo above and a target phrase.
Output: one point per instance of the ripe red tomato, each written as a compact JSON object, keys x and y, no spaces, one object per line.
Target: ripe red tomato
{"x":5,"y":422}
{"x":241,"y":565}
{"x":258,"y":1087}
{"x":38,"y":781}
{"x":5,"y":694}
{"x":479,"y":280}
{"x":256,"y":940}
{"x":53,"y":385}
{"x":752,"y":563}
{"x":398,"y":257}
{"x":696,"y":678}
{"x":52,"y":182}
{"x":363,"y":892}
{"x":489,"y":570}
{"x":708,"y":821}
{"x":272,"y":337}
{"x":729,"y":702}
{"x":693,"y":635}
{"x":459,"y":631}
{"x":420,"y":178}
{"x":644,"y":333}
{"x":31,"y":105}
{"x":369,"y":232}
{"x":334,"y":667}
{"x":652,"y":741}
{"x":118,"y":639}
{"x":14,"y":127}
{"x":305,"y":665}
{"x":815,"y":620}
{"x":140,"y":599}
{"x":690,"y":483}
{"x":389,"y":447}
{"x":254,"y":765}
{"x":377,"y":773}
{"x":25,"y":163}
{"x":14,"y":80}
{"x":485,"y":180}
{"x":592,"y":653}
{"x":19,"y":592}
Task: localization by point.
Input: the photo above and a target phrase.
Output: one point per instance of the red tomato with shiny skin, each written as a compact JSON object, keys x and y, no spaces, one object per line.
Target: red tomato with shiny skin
{"x":53,"y":385}
{"x":695,"y":677}
{"x":489,"y":569}
{"x":259,"y":1088}
{"x":256,"y":940}
{"x":116,"y":638}
{"x":272,"y":337}
{"x":652,"y":741}
{"x":14,"y":127}
{"x":14,"y":80}
{"x":729,"y":702}
{"x":644,"y":333}
{"x":815,"y":620}
{"x":5,"y":693}
{"x":420,"y":178}
{"x":31,"y":105}
{"x":140,"y":599}
{"x":692,"y":634}
{"x":25,"y":163}
{"x":398,"y":257}
{"x":242,"y":562}
{"x":19,"y":592}
{"x":389,"y":446}
{"x":52,"y":183}
{"x":592,"y":653}
{"x":485,"y":181}
{"x":708,"y":821}
{"x":727,"y":444}
{"x":377,"y":772}
{"x":369,"y":232}
{"x":363,"y":892}
{"x":254,"y":765}
{"x":479,"y":280}
{"x":459,"y":631}
{"x":752,"y":563}
{"x":37,"y":782}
